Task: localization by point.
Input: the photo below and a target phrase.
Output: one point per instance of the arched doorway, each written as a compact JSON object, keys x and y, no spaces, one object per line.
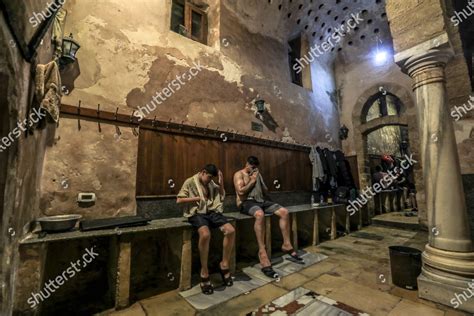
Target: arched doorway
{"x":385,"y":121}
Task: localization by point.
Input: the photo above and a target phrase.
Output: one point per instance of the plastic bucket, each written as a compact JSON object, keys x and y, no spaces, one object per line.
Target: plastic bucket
{"x":405,"y":266}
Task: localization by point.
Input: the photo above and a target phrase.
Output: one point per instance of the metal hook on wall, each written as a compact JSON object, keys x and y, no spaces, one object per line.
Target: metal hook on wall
{"x":116,"y":113}
{"x":168,"y":124}
{"x":153,"y":123}
{"x":98,"y":118}
{"x":79,"y":116}
{"x":134,"y":128}
{"x":118,"y":133}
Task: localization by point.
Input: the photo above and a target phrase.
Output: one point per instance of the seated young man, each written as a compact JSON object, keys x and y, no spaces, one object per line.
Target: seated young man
{"x":250,"y":189}
{"x":203,"y":200}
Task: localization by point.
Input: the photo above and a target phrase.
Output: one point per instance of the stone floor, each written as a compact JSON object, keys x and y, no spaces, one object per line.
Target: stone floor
{"x":356,"y":274}
{"x":398,"y":220}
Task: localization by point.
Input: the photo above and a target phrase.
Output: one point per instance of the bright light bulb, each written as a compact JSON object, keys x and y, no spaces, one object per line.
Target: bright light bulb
{"x":381,"y":57}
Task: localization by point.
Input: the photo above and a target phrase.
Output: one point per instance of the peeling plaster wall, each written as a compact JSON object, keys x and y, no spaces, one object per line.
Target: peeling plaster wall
{"x":128,"y":54}
{"x":89,"y":161}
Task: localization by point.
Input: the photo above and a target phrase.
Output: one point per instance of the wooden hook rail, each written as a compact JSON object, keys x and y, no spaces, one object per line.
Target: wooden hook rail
{"x":89,"y":114}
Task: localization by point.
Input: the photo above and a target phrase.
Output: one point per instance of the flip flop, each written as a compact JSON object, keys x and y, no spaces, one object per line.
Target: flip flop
{"x":206,"y":286}
{"x":294,"y":258}
{"x":269,"y":272}
{"x":227,"y":281}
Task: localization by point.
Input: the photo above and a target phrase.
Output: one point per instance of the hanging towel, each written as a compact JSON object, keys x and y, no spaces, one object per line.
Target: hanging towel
{"x":192,"y":187}
{"x":318,"y":171}
{"x":48,"y":89}
{"x":257,"y":192}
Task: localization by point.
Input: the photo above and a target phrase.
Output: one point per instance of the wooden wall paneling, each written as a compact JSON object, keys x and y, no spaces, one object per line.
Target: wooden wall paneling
{"x":165,"y":156}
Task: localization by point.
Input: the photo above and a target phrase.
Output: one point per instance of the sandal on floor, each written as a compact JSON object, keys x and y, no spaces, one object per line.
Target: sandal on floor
{"x":294,"y":258}
{"x":206,"y":286}
{"x":269,"y":272}
{"x":227,"y":281}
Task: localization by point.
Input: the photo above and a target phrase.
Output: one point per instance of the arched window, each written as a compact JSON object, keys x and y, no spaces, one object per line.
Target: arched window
{"x":380,"y":105}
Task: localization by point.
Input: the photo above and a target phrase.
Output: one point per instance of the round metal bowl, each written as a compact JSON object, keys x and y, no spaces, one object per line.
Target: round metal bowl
{"x":59,"y":223}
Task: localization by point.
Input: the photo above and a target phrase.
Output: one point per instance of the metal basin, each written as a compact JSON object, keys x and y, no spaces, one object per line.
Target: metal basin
{"x":59,"y":223}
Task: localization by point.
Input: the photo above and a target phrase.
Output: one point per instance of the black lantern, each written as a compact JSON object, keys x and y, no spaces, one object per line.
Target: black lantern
{"x":343,"y":132}
{"x":260,"y":104}
{"x":69,"y":50}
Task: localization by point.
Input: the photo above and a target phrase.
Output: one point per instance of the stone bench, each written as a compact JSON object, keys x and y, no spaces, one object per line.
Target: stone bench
{"x":121,"y":246}
{"x":296,"y":209}
{"x":120,"y":240}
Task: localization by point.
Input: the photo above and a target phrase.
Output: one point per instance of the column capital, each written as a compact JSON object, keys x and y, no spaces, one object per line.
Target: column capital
{"x":430,"y":58}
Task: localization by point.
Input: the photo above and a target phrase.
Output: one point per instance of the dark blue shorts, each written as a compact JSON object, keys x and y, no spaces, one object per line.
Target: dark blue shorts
{"x":211,"y":220}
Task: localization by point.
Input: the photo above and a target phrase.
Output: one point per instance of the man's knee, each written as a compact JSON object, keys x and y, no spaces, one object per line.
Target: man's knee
{"x":204,"y":233}
{"x":228,"y":230}
{"x":259,"y":215}
{"x":283,"y":212}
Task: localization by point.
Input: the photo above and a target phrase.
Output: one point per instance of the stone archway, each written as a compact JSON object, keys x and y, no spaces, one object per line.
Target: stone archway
{"x":407,"y":118}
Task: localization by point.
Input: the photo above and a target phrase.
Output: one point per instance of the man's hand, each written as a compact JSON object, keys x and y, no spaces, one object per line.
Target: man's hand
{"x":254,"y":176}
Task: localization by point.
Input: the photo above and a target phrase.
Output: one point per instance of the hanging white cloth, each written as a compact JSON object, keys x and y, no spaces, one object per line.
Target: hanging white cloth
{"x":318,"y":171}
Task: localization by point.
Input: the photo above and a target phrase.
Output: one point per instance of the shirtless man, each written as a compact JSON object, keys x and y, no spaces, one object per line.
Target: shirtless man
{"x":250,"y":189}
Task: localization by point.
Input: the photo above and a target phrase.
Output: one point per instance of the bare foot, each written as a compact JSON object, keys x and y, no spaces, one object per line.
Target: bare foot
{"x":263,"y":257}
{"x":286,"y":248}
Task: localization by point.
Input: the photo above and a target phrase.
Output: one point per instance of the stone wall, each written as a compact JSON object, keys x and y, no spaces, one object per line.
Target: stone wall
{"x":406,"y":16}
{"x":128,"y":54}
{"x":357,"y":80}
{"x":85,"y":161}
{"x":24,"y":158}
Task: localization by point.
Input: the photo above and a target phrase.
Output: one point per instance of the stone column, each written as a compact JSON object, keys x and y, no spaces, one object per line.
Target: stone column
{"x":448,"y":259}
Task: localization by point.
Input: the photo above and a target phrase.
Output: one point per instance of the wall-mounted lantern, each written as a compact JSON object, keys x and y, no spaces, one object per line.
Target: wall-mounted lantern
{"x":69,"y":51}
{"x":343,"y":132}
{"x":260,"y":104}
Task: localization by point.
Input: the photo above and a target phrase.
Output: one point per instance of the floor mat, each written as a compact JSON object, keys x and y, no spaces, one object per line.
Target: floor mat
{"x":304,"y":302}
{"x":364,"y":235}
{"x":246,"y":281}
